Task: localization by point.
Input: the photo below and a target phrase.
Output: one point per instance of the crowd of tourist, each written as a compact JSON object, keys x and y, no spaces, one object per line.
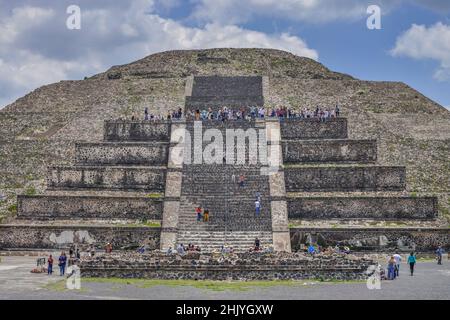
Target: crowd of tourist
{"x":245,"y":113}
{"x":313,"y":250}
{"x":183,"y":250}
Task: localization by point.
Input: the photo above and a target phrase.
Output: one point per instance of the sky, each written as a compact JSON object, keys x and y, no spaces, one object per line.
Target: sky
{"x":412,"y":46}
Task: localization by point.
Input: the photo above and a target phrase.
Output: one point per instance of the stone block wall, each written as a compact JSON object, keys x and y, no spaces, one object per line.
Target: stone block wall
{"x":60,"y":237}
{"x":136,"y":153}
{"x":348,"y":178}
{"x":313,"y":129}
{"x":137,"y":131}
{"x":392,"y":208}
{"x":203,"y":103}
{"x":374,"y":239}
{"x":113,"y":178}
{"x":236,"y":267}
{"x":216,"y":91}
{"x":88,"y":207}
{"x":361,"y":151}
{"x":212,"y":86}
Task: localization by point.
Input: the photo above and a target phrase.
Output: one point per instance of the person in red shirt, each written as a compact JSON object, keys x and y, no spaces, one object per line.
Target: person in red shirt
{"x":50,"y":265}
{"x":198,"y":212}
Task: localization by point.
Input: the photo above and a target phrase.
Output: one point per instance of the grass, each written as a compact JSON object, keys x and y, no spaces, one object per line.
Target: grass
{"x":30,"y":191}
{"x":150,"y":224}
{"x":12,"y":209}
{"x":154,"y":195}
{"x":199,"y":284}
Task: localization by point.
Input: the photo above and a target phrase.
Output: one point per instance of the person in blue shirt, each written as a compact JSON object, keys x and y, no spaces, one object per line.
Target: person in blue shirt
{"x":311,"y":249}
{"x":412,"y":262}
{"x":62,"y":263}
{"x":439,"y":253}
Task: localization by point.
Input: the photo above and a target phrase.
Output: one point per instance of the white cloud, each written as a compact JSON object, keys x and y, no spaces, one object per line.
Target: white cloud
{"x":36,"y":48}
{"x":22,"y":20}
{"x":421,"y":42}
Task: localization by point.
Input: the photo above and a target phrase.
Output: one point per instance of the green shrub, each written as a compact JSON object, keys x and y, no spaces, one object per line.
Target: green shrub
{"x":12,"y":208}
{"x":30,"y":191}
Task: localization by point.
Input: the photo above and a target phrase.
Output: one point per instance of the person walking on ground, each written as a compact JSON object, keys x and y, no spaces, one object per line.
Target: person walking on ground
{"x":198,"y":212}
{"x":50,"y":265}
{"x":412,"y":262}
{"x":439,"y":253}
{"x":391,"y":268}
{"x":62,"y":263}
{"x":398,"y":260}
{"x":257,"y":208}
{"x":206,"y":215}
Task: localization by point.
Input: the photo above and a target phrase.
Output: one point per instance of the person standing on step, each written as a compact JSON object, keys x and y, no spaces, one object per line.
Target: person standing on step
{"x":206,"y":215}
{"x":412,"y":262}
{"x":257,"y":207}
{"x":198,"y":212}
{"x":92,"y":250}
{"x":257,"y":244}
{"x":241,"y":181}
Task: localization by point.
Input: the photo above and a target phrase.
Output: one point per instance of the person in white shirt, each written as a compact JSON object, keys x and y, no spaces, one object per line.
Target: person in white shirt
{"x":398,"y":260}
{"x":257,"y":208}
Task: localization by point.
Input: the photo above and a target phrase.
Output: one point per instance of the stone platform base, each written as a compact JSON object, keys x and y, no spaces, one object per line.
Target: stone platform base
{"x":241,"y":266}
{"x":374,"y":239}
{"x":51,"y":237}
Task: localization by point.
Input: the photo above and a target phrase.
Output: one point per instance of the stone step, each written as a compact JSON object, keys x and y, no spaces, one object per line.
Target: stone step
{"x":151,"y":179}
{"x":48,"y":207}
{"x":220,"y":235}
{"x":299,"y":129}
{"x":137,"y":130}
{"x":313,"y":151}
{"x":52,"y":237}
{"x":378,"y":208}
{"x":348,"y":178}
{"x":122,"y":153}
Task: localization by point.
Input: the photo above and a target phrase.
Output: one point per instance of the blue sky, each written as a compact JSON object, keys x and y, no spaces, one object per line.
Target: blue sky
{"x":413,"y":45}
